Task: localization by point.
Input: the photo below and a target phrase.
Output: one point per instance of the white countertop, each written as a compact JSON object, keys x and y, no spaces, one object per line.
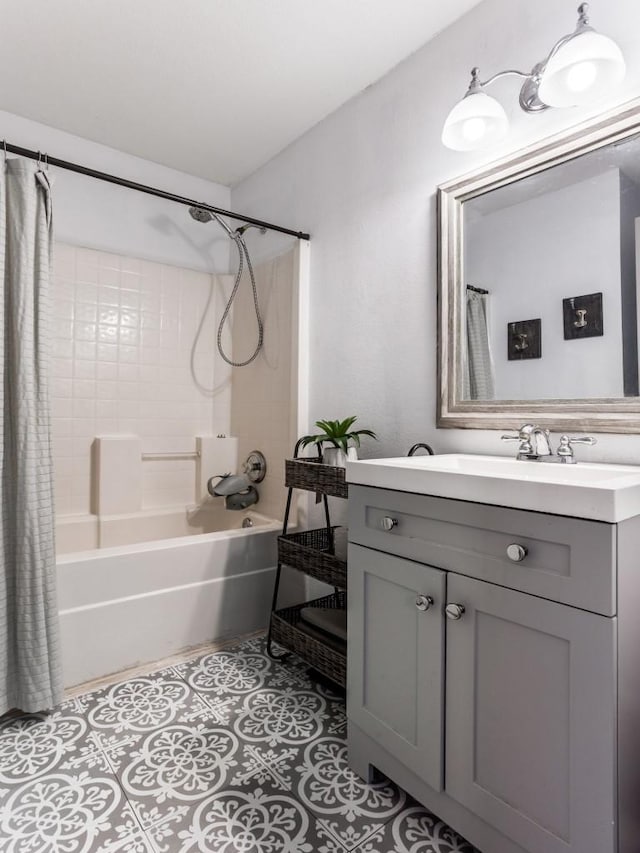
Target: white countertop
{"x":585,"y":490}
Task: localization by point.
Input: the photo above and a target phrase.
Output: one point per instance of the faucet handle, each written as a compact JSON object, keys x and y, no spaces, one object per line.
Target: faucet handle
{"x":585,"y":439}
{"x":565,"y":449}
{"x":525,"y":448}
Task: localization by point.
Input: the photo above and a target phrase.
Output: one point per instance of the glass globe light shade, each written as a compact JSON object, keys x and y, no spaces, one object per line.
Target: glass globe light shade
{"x":476,"y":121}
{"x":585,"y":68}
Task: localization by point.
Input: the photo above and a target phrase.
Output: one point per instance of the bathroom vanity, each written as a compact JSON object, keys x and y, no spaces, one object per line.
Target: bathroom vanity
{"x":494,"y":646}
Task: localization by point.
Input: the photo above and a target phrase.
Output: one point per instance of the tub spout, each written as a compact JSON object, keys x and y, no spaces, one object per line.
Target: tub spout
{"x":242,"y":500}
{"x":236,"y":489}
{"x":230,"y":484}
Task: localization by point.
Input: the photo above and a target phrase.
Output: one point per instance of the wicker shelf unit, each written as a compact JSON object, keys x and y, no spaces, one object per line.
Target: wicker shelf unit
{"x":320,"y":554}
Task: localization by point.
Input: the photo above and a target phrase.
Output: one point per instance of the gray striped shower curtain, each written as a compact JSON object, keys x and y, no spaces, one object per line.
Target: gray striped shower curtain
{"x":30,"y":671}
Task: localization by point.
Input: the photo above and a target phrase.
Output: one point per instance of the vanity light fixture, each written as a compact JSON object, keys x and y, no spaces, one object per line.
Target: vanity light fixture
{"x":581,"y":67}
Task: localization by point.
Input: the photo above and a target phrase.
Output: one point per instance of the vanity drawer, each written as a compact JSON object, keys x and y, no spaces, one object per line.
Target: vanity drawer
{"x":569,"y":560}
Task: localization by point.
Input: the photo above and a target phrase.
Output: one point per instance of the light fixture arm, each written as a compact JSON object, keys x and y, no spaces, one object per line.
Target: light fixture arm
{"x":529,"y":100}
{"x":490,"y":80}
{"x":583,"y":26}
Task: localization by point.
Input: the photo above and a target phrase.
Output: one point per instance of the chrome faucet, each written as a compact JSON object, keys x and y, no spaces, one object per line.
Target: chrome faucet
{"x":535,"y":444}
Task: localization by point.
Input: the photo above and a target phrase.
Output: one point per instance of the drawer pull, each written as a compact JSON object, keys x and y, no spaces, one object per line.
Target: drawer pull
{"x":454,"y":611}
{"x":424,"y":602}
{"x":516,"y":553}
{"x":388,"y":523}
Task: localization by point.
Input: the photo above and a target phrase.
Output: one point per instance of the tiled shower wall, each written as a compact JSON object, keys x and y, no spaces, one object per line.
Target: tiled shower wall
{"x":124,"y":330}
{"x":122,"y":364}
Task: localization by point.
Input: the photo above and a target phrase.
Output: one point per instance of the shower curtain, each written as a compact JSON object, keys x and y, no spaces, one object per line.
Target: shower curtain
{"x":30,"y":670}
{"x":479,"y":381}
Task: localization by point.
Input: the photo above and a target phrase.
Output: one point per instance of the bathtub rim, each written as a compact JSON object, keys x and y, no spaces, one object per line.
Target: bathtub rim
{"x":270,"y":526}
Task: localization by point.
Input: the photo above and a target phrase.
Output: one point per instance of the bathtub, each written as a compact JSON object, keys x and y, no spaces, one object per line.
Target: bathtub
{"x":139,"y":598}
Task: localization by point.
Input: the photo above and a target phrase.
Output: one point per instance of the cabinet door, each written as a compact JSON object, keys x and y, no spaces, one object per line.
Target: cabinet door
{"x":530,"y":720}
{"x":395,"y":661}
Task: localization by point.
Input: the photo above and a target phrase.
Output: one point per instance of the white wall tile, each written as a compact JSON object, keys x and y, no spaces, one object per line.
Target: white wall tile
{"x":123,"y":333}
{"x":84,"y":369}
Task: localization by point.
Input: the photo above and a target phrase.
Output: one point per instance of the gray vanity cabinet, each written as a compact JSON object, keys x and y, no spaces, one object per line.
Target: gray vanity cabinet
{"x":397,"y":693}
{"x":504,"y":717}
{"x":530,"y":719}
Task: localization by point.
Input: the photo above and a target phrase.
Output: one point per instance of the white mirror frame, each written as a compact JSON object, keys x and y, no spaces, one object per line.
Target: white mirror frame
{"x":616,"y":415}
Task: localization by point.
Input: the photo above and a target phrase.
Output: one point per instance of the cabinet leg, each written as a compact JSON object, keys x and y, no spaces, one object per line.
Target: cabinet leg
{"x":359,"y":762}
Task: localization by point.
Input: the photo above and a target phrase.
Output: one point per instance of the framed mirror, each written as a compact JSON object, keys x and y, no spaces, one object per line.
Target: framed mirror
{"x":539,"y":280}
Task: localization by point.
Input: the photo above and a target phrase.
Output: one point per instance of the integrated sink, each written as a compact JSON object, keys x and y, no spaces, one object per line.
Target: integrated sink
{"x":584,"y":490}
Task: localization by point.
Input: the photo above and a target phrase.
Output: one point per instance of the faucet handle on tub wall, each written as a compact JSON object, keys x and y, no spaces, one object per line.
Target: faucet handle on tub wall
{"x":255,"y":466}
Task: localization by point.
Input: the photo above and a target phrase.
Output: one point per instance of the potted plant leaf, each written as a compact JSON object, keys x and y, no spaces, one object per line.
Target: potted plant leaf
{"x":342,"y":440}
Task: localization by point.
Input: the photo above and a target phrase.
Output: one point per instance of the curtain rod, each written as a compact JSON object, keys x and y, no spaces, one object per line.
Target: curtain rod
{"x":143,"y":188}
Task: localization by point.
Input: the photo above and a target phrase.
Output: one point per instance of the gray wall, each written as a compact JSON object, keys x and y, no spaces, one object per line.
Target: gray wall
{"x":98,"y":215}
{"x":363,"y":182}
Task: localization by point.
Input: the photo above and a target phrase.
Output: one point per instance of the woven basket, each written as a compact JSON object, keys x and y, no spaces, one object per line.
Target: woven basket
{"x":312,"y":475}
{"x":313,"y":552}
{"x":286,"y":630}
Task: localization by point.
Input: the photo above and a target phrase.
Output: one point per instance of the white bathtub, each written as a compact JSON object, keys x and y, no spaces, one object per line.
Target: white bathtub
{"x":135,"y":601}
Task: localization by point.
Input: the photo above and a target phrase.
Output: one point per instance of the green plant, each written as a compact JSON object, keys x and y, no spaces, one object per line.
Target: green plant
{"x":337,"y":433}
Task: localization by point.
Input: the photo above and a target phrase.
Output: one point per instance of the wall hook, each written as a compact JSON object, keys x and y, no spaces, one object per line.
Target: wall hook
{"x":580,"y":322}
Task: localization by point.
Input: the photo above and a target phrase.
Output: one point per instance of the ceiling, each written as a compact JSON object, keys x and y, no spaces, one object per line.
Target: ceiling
{"x":214,"y":88}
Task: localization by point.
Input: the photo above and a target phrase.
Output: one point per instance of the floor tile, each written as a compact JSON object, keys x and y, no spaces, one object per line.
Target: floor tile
{"x":34,"y":744}
{"x":224,"y":678}
{"x":415,"y":830}
{"x":231,"y":752}
{"x":143,"y":704}
{"x":250,"y":820}
{"x":177,"y":766}
{"x":66,"y":811}
{"x":282,"y":717}
{"x":349,"y":808}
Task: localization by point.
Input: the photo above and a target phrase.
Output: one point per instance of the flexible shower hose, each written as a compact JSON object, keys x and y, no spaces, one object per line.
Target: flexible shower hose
{"x":243,"y":253}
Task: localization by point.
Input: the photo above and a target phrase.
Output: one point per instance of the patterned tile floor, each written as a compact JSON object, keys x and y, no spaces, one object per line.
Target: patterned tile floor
{"x":227,"y":753}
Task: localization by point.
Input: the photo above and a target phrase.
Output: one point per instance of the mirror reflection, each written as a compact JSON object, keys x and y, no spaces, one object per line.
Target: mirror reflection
{"x":550,"y":280}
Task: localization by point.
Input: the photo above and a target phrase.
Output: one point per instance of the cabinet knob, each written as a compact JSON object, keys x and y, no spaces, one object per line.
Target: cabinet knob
{"x":424,"y":602}
{"x":388,"y":523}
{"x":454,"y":611}
{"x":516,"y":553}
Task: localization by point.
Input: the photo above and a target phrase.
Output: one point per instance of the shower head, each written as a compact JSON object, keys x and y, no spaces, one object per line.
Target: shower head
{"x":244,"y":227}
{"x":200,"y":214}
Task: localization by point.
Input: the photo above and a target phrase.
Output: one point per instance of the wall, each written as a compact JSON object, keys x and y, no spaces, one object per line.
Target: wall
{"x":124,"y":332}
{"x":363,"y":182}
{"x":110,"y":218}
{"x":264,"y":399}
{"x":531,"y":256}
{"x":135,"y":354}
{"x":131,"y":281}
